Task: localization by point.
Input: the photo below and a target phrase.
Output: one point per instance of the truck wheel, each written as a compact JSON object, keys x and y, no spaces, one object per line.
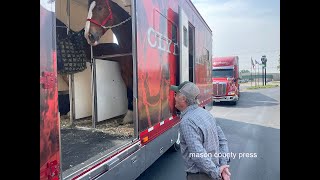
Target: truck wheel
{"x":233,"y":102}
{"x":176,"y":146}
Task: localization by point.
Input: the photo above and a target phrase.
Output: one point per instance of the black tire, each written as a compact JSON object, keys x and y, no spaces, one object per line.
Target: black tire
{"x":233,"y":102}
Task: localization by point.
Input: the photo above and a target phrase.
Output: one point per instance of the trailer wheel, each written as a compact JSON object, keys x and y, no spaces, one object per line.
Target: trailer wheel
{"x":176,"y":146}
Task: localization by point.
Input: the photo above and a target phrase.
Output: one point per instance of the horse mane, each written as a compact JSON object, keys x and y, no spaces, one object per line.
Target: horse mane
{"x":116,"y":7}
{"x":124,"y":31}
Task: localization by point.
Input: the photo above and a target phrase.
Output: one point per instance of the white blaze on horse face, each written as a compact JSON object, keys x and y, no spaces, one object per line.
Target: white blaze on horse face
{"x":87,"y":27}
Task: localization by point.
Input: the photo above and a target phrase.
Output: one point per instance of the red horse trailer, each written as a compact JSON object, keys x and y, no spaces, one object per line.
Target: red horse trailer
{"x":106,"y":111}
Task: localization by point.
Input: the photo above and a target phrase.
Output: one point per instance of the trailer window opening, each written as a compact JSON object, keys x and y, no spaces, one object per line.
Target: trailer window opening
{"x":185,"y":36}
{"x":191,"y":52}
{"x":217,"y":73}
{"x":208,"y":67}
{"x":174,"y":32}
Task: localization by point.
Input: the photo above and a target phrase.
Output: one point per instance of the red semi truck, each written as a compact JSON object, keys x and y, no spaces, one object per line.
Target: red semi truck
{"x":225,"y":79}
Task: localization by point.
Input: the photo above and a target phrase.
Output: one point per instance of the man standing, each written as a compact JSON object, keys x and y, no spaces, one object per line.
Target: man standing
{"x":203,"y":144}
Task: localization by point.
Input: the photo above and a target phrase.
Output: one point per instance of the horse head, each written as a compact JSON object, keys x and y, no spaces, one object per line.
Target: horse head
{"x":100,"y":16}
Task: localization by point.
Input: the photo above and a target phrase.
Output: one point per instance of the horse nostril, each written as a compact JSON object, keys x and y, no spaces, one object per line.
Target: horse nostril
{"x":91,"y":38}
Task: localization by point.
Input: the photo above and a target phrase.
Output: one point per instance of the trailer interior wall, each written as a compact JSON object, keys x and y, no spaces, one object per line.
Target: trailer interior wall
{"x":62,"y":84}
{"x":82,"y":93}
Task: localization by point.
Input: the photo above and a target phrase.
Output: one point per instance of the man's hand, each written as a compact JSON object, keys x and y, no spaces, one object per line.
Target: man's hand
{"x":224,"y":172}
{"x":223,"y":167}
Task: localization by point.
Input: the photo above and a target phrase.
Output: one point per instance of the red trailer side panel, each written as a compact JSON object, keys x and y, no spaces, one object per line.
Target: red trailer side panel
{"x":156,"y":61}
{"x":158,"y":57}
{"x":49,"y":121}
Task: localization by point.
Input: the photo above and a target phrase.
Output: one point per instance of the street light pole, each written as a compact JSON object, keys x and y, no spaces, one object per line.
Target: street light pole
{"x":264,"y":65}
{"x":258,"y":72}
{"x":262,"y":79}
{"x":265,"y":75}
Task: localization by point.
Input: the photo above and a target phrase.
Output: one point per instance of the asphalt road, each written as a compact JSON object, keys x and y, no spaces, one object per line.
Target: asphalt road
{"x":252,"y":126}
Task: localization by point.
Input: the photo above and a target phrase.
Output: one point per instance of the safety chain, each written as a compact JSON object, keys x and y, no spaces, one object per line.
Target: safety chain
{"x":109,"y":27}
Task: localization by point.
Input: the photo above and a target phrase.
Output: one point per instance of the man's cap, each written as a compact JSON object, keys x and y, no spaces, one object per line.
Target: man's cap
{"x":187,"y":88}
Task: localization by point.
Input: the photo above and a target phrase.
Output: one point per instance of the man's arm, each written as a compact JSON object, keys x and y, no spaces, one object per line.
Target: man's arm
{"x":190,"y":132}
{"x":223,"y":146}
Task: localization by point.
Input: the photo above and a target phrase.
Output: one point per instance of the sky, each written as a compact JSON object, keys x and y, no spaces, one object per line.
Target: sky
{"x":246,"y":28}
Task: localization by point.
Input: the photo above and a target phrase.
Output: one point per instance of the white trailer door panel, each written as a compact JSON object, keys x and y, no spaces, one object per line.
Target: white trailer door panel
{"x":111,"y":90}
{"x":184,"y":43}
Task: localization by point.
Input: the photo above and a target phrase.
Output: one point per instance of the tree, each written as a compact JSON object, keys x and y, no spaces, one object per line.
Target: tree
{"x":278,"y":67}
{"x":244,"y":71}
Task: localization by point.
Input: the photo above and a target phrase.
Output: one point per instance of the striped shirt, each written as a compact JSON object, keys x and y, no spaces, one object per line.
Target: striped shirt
{"x":200,"y":136}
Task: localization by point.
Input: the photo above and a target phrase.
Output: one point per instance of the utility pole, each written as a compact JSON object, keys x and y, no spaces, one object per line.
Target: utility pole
{"x":265,"y":74}
{"x":264,"y":65}
{"x":251,"y":75}
{"x":258,"y":73}
{"x":255,"y":76}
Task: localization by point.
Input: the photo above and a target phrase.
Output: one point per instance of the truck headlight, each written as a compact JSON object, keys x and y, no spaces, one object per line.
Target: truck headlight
{"x":231,"y":93}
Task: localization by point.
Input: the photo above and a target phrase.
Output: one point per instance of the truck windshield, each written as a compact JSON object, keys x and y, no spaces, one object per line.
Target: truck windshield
{"x":217,"y":73}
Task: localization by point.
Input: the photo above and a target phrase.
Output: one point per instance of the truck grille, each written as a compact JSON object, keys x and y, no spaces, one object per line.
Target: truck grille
{"x":219,"y":89}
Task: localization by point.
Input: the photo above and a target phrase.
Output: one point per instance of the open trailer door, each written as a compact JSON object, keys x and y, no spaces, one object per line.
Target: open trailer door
{"x":184,"y":46}
{"x":49,"y":118}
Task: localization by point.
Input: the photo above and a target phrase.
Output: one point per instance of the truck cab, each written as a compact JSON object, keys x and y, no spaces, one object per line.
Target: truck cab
{"x":225,"y":79}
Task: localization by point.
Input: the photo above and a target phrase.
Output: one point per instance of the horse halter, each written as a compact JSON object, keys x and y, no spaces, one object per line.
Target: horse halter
{"x":110,"y":17}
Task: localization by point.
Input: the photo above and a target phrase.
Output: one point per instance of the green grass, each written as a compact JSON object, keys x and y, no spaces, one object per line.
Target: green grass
{"x":267,"y":86}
